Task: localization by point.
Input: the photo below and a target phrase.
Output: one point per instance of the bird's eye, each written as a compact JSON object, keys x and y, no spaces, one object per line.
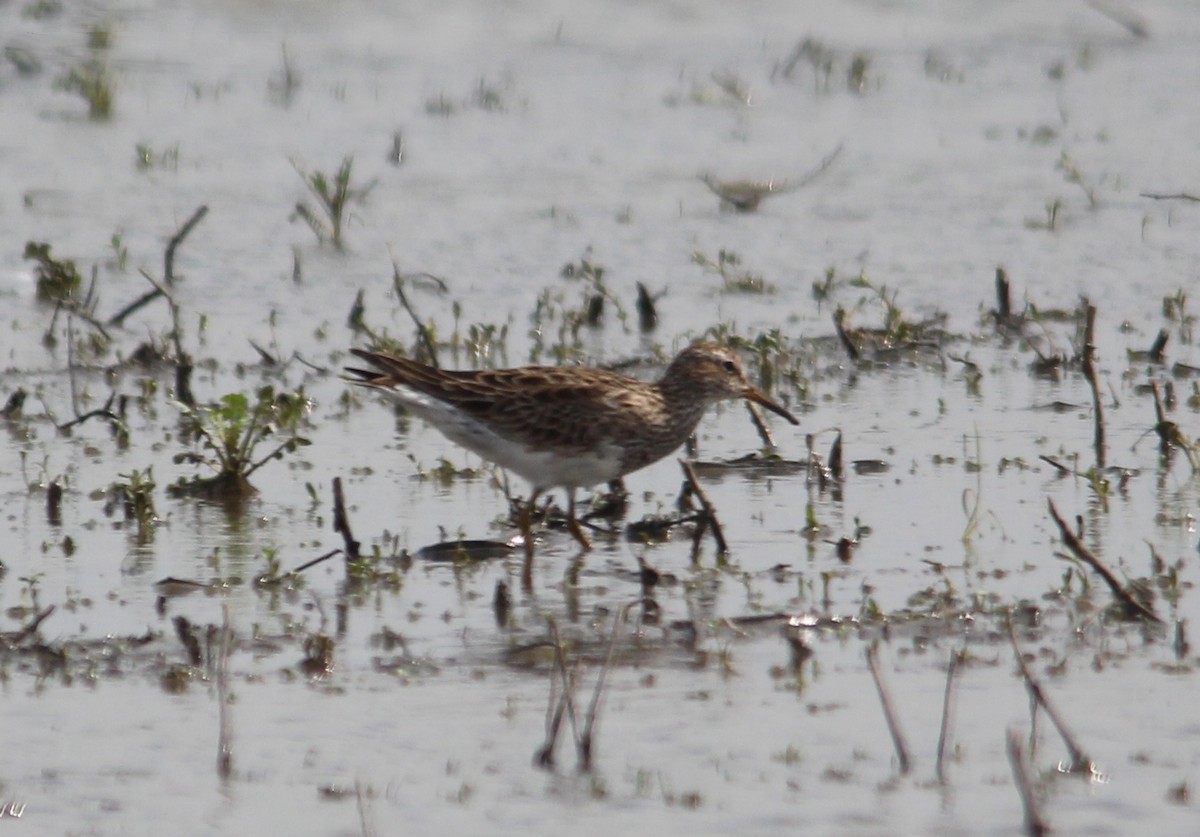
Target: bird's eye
{"x":730,"y":366}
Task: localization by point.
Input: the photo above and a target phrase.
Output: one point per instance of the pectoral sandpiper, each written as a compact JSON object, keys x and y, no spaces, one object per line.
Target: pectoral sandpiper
{"x":568,"y":427}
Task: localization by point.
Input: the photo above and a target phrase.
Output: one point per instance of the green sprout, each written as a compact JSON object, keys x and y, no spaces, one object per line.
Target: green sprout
{"x":334,"y":195}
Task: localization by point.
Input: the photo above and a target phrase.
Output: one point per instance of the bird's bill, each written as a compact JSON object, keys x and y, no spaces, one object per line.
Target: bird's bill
{"x":761,"y":398}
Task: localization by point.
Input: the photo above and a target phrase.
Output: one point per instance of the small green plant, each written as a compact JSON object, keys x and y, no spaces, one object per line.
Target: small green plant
{"x":1174,"y":308}
{"x":1052,"y":223}
{"x":893,"y":318}
{"x":736,"y":279}
{"x":120,"y":257}
{"x":1073,"y":174}
{"x":147,"y":158}
{"x":99,"y":37}
{"x":91,"y":80}
{"x":823,"y":289}
{"x":334,"y":196}
{"x":135,"y":494}
{"x":231,"y":432}
{"x":30,"y":587}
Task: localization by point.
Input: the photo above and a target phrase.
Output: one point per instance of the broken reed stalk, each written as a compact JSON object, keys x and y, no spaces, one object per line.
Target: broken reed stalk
{"x":839,"y":325}
{"x":1062,"y":469}
{"x":947,"y":707}
{"x":366,"y":829}
{"x":183,"y":361}
{"x":1035,"y":826}
{"x":168,"y":269}
{"x":1089,"y":373}
{"x":587,"y":737}
{"x":422,"y":331}
{"x":544,"y":757}
{"x":225,"y":719}
{"x":888,"y":714}
{"x":1161,"y":425}
{"x":341,"y":523}
{"x":1085,"y":555}
{"x":105,"y":412}
{"x":1079,"y":759}
{"x":709,"y":517}
{"x":834,"y":462}
{"x":308,"y":564}
{"x":176,"y":240}
{"x":1157,"y":350}
{"x":1003,"y":297}
{"x":54,"y":495}
{"x":31,"y":627}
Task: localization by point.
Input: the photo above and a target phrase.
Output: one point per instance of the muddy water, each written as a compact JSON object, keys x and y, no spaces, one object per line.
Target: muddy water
{"x":552,"y":134}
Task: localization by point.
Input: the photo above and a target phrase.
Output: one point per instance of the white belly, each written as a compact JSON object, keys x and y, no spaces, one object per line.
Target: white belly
{"x":542,"y":468}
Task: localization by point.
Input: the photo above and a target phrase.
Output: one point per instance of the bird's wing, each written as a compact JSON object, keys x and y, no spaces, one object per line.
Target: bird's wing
{"x":555,"y":406}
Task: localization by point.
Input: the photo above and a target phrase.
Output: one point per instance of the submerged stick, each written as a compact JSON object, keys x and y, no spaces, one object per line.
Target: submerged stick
{"x":888,"y":714}
{"x":1176,"y":196}
{"x":1035,"y":826}
{"x":544,"y":757}
{"x":225,"y":719}
{"x":947,"y":706}
{"x":1085,"y":555}
{"x":1079,"y":759}
{"x":341,"y":523}
{"x":587,"y":737}
{"x":1089,"y":373}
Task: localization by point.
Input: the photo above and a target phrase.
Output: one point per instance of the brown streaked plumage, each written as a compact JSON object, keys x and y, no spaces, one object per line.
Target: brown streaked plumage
{"x":568,"y":427}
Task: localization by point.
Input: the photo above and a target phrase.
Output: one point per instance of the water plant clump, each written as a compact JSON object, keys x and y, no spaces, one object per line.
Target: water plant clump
{"x":230,"y":435}
{"x":58,"y":280}
{"x":92,"y":81}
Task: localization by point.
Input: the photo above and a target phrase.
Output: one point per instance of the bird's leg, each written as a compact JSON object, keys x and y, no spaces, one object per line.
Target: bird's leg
{"x":573,"y":522}
{"x":525,"y":523}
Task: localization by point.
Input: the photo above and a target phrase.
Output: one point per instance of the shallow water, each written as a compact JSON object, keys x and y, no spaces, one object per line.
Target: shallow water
{"x":566,"y":132}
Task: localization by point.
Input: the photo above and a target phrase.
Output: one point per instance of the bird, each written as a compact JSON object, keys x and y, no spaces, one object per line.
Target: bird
{"x":744,"y":195}
{"x":565,"y":427}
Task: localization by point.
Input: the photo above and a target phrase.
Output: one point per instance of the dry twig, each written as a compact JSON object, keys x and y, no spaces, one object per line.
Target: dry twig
{"x":889,"y":714}
{"x":1085,"y":555}
{"x":1079,"y":759}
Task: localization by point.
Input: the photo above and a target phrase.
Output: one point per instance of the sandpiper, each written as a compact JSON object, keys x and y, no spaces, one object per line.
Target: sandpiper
{"x":568,"y":427}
